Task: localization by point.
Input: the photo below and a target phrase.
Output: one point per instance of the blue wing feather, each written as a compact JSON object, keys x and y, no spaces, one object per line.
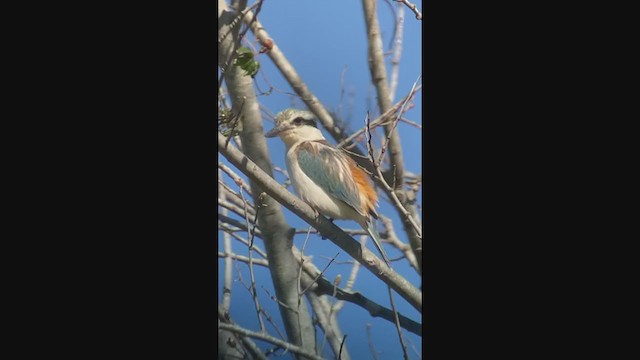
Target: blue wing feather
{"x":322,"y":164}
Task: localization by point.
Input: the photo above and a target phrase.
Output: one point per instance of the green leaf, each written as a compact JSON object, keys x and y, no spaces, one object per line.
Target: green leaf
{"x":246,"y":62}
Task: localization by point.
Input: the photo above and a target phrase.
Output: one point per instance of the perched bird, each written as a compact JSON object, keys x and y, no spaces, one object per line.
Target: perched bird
{"x":326,"y":177}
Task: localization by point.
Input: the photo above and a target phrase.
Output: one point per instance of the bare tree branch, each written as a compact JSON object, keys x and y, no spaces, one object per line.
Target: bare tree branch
{"x":329,"y":230}
{"x":397,"y":322}
{"x":397,"y":52}
{"x":230,"y":347}
{"x":322,"y":286}
{"x":379,"y":78}
{"x":244,"y":259}
{"x":228,"y":279}
{"x":285,"y":345}
{"x":390,"y":235}
{"x":294,"y":79}
{"x":278,"y":240}
{"x":413,"y":8}
{"x":330,"y":329}
{"x":410,"y":219}
{"x":237,"y":179}
{"x":374,"y":352}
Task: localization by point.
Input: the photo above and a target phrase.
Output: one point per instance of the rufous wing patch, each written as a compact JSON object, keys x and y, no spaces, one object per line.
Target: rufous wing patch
{"x":368,"y":195}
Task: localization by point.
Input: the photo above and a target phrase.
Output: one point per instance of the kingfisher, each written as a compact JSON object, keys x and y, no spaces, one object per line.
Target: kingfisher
{"x":324,"y":176}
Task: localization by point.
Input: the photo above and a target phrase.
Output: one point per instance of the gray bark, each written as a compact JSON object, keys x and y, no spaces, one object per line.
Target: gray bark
{"x":275,"y":230}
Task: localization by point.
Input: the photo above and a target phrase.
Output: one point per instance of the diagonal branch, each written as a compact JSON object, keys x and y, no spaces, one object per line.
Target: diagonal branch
{"x":223,"y":316}
{"x":325,"y":287}
{"x":273,"y":225}
{"x":411,"y":6}
{"x":328,"y":230}
{"x":410,"y":219}
{"x":294,"y":79}
{"x":285,"y":345}
{"x":321,"y":112}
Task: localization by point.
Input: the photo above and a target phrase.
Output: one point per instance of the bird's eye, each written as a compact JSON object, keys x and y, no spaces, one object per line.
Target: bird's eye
{"x":298,"y":121}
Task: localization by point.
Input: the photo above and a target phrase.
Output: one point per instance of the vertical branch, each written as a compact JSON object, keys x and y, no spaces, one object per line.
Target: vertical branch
{"x":374,"y":352}
{"x":379,"y":78}
{"x":226,"y":238}
{"x":330,"y":328}
{"x":410,"y":220}
{"x":397,"y":52}
{"x":397,"y":322}
{"x":254,"y":292}
{"x":274,"y":228}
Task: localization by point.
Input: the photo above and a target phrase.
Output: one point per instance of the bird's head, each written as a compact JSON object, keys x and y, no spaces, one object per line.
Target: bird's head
{"x":293,"y":126}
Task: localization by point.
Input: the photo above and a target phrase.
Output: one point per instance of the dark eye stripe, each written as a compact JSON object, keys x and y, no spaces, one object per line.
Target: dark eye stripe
{"x":302,"y":121}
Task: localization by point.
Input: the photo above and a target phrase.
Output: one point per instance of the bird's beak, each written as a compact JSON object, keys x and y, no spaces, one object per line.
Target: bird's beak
{"x":276,"y":131}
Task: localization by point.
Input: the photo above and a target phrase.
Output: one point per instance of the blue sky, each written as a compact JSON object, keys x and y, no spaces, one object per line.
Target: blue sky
{"x":321,"y":39}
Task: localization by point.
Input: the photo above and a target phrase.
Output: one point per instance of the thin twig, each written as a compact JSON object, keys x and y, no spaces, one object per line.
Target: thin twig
{"x":341,"y":344}
{"x":374,"y":353}
{"x":397,"y":321}
{"x":412,"y":123}
{"x":389,"y":189}
{"x":252,"y":290}
{"x":224,"y":317}
{"x":237,"y":179}
{"x":324,"y":287}
{"x":321,"y":273}
{"x":391,"y":238}
{"x":226,"y":205}
{"x":331,"y":331}
{"x":342,"y":76}
{"x":274,"y":298}
{"x":322,"y":224}
{"x":223,"y":227}
{"x":245,"y":259}
{"x":351,"y":281}
{"x":395,"y":124}
{"x":294,"y":79}
{"x":411,"y":6}
{"x":381,"y":120}
{"x":286,"y":345}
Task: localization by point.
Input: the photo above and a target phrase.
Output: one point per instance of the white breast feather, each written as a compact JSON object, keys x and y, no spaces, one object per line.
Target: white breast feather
{"x":313,"y":194}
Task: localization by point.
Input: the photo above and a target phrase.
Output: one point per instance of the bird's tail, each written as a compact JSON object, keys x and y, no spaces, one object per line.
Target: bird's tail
{"x":376,"y":240}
